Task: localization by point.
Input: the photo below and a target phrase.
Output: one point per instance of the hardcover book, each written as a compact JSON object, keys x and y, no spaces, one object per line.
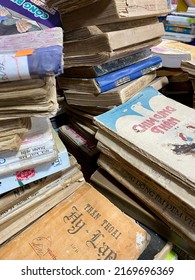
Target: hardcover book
{"x":84,"y":226}
{"x":113,"y":79}
{"x":163,"y":123}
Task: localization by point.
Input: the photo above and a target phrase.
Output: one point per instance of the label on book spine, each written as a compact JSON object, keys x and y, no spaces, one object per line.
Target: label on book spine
{"x":13,"y":67}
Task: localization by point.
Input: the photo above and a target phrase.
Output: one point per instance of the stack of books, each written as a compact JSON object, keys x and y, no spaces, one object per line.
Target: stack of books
{"x":180,"y":26}
{"x":147,"y":144}
{"x":107,"y":57}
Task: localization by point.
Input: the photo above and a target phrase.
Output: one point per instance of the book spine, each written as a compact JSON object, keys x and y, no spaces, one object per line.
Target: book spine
{"x":126,"y":74}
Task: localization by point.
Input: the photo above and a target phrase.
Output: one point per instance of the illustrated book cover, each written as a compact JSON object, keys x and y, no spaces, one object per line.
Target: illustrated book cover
{"x":150,"y":119}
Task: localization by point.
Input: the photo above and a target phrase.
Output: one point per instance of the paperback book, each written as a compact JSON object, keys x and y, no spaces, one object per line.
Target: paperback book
{"x":151,"y":116}
{"x":84,"y":226}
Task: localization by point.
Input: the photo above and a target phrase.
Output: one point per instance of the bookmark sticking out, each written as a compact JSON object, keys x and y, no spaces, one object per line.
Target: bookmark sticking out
{"x":24,"y":52}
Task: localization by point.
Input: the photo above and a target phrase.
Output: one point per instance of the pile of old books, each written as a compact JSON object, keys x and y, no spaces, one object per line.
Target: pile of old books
{"x":147,"y":144}
{"x":107,"y":59}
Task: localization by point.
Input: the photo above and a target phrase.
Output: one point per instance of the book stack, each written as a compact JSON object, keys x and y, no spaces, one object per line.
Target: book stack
{"x":180,"y":26}
{"x":107,"y":56}
{"x":147,"y":143}
{"x":37,"y":171}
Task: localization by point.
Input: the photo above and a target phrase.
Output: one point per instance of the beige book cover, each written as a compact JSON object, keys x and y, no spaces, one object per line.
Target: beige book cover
{"x":114,"y":40}
{"x":107,"y":11}
{"x":84,"y":226}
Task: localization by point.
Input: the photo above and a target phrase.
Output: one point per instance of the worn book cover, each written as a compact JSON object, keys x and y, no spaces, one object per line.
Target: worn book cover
{"x":150,"y":119}
{"x":163,"y":182}
{"x":55,"y":188}
{"x":113,"y":40}
{"x":84,"y":226}
{"x":106,"y":11}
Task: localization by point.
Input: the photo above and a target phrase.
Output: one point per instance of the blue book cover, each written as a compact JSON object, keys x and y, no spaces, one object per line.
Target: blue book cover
{"x":160,"y":128}
{"x":126,"y":74}
{"x":179,"y":29}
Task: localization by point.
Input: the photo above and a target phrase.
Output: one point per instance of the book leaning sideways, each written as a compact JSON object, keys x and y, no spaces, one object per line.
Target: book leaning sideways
{"x":161,"y":129}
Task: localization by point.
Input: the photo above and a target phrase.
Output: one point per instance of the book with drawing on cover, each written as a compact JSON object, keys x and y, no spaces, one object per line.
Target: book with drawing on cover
{"x":107,"y":11}
{"x":163,"y":123}
{"x":84,"y":226}
{"x":24,"y":16}
{"x":113,"y":79}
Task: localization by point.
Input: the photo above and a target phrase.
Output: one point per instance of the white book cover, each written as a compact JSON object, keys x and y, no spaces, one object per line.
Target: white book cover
{"x":160,"y":128}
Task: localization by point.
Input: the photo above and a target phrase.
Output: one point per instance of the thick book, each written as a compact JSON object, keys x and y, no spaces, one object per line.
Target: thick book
{"x":33,"y":15}
{"x":163,"y":123}
{"x":111,"y":97}
{"x":102,"y":12}
{"x":85,"y":226}
{"x":113,"y":40}
{"x":113,"y":79}
{"x":30,"y":55}
{"x":150,"y":173}
{"x":107,"y":67}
